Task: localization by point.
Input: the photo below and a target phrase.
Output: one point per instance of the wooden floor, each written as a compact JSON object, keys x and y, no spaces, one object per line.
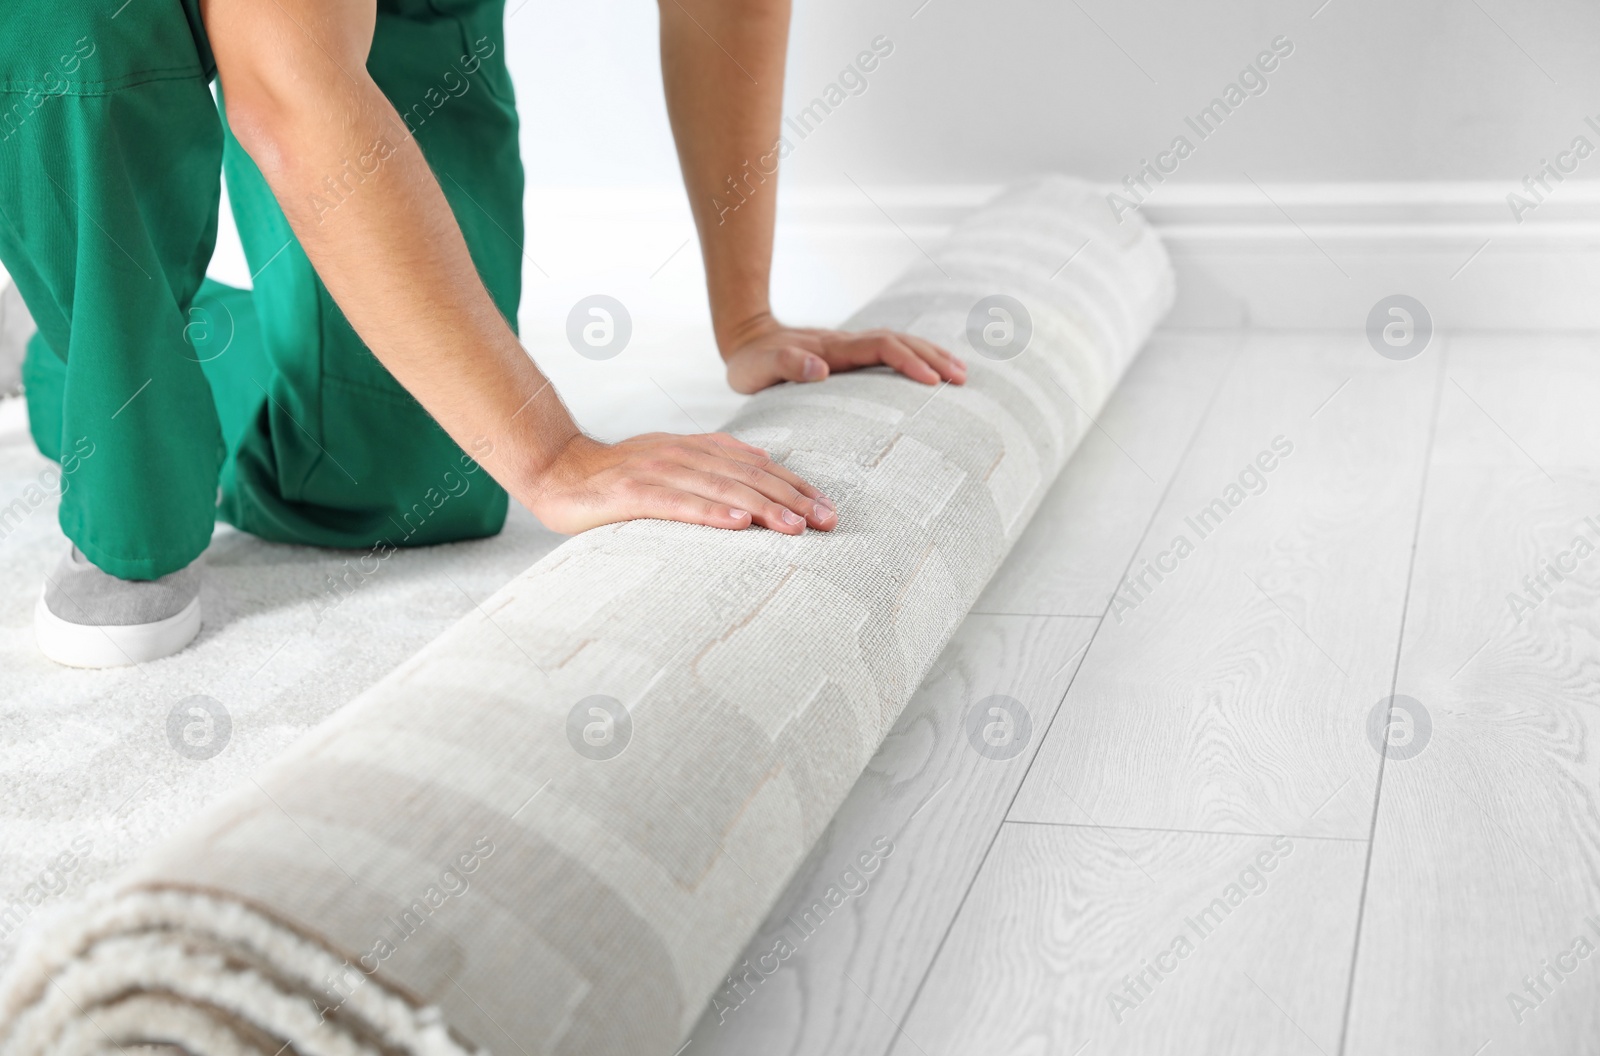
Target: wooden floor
{"x":1312,"y":783}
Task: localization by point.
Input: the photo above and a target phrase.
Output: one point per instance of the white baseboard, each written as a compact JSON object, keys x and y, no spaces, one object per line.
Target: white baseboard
{"x":1292,"y":256}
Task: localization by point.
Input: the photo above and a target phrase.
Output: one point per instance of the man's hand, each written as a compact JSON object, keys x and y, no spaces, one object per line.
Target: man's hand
{"x":774,"y":353}
{"x":711,"y":479}
{"x":725,"y":118}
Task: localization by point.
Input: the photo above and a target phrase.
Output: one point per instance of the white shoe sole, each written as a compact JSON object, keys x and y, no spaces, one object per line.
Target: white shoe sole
{"x":82,"y":645}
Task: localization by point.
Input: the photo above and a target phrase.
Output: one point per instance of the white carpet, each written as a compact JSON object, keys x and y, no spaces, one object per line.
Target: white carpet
{"x":88,"y":777}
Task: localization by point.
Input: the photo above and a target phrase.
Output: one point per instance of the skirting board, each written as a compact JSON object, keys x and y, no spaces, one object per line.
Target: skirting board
{"x":1291,"y":256}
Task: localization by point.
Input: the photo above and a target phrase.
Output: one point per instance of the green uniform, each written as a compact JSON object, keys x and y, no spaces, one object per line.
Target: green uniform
{"x":178,"y":386}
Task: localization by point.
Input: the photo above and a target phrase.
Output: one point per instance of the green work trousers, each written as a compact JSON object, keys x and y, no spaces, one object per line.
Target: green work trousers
{"x":176,"y":399}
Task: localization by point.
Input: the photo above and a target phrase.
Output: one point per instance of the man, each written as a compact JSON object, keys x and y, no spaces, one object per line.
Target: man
{"x":370,"y":150}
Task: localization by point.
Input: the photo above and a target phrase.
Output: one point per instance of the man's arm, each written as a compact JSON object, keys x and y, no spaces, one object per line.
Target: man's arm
{"x":722,"y":61}
{"x":301,"y":103}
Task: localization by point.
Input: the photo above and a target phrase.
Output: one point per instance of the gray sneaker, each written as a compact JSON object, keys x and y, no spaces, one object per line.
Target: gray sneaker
{"x":89,"y":618}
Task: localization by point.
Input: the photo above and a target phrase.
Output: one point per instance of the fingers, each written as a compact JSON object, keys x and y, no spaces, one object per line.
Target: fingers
{"x":916,"y":358}
{"x":788,"y":503}
{"x":899,"y":354}
{"x":950,"y":367}
{"x":713,"y":479}
{"x":674,"y":504}
{"x":695,"y":497}
{"x":757,"y":457}
{"x":729,"y":443}
{"x":758,"y":368}
{"x":799,"y":364}
{"x":733,"y":484}
{"x":724,"y":490}
{"x":812,"y":355}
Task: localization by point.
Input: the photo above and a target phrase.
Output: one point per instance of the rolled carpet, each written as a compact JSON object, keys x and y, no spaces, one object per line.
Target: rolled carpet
{"x":554,"y":829}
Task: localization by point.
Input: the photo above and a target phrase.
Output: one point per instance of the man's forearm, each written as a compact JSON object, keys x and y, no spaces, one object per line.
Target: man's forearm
{"x":722,"y":62}
{"x":394,"y":259}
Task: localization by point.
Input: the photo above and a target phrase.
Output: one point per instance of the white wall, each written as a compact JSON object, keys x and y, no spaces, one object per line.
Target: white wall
{"x":1375,"y":89}
{"x":978,"y":92}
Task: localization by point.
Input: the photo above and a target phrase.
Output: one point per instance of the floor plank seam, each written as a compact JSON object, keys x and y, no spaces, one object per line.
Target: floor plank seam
{"x":1394,"y":682}
{"x":1045,"y":615}
{"x":1155,"y":511}
{"x":1187,"y":832}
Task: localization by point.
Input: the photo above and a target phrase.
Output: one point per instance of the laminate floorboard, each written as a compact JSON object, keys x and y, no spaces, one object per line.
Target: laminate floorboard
{"x":1435,"y":880}
{"x":1132,"y":943}
{"x":1485,"y":869}
{"x":1072,"y":554}
{"x":1232,"y":677}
